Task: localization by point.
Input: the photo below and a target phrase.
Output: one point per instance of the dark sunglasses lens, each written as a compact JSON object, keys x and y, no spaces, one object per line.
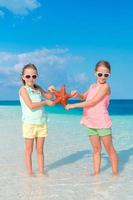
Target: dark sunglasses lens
{"x":99,"y":74}
{"x":106,"y":75}
{"x":27,"y":76}
{"x":34,"y":76}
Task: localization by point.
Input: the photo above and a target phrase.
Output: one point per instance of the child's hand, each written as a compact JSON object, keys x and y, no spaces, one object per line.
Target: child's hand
{"x":68,"y":106}
{"x":49,"y":103}
{"x":74,"y":93}
{"x":51,"y":88}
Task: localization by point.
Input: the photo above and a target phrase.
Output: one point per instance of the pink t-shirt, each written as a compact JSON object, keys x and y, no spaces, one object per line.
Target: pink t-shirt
{"x":96,"y":116}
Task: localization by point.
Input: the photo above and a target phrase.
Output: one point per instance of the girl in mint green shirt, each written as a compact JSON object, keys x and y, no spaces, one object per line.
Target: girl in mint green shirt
{"x":33,"y":116}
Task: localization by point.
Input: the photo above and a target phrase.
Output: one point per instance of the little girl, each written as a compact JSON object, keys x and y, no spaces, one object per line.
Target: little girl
{"x":33,"y":116}
{"x":96,"y":118}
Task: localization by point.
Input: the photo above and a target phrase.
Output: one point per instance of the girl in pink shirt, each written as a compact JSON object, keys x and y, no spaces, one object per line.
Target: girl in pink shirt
{"x":96,"y":118}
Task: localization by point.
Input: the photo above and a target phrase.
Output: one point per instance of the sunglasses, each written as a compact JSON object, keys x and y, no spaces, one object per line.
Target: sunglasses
{"x":29,"y":76}
{"x":101,"y":74}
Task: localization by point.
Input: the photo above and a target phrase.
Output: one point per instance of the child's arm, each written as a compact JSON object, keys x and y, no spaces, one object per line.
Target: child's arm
{"x":103,"y":91}
{"x":47,"y":95}
{"x":80,"y":96}
{"x":29,"y":103}
{"x":74,"y":93}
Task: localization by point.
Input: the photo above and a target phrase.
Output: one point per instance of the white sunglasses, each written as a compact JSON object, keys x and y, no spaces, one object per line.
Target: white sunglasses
{"x":101,"y":74}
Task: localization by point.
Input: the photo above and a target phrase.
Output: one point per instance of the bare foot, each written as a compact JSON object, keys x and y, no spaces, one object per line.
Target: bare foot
{"x":31,"y":174}
{"x":95,"y":174}
{"x":115,"y":173}
{"x":43,"y":173}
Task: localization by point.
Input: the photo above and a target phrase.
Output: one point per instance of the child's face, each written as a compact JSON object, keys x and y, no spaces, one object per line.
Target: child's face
{"x":29,"y":77}
{"x":102,"y":74}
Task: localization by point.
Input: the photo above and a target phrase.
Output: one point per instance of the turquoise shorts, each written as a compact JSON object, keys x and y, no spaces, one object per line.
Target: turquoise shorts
{"x":99,"y":132}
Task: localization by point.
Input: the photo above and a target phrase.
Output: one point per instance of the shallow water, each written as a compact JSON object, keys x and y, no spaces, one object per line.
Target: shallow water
{"x":68,"y":161}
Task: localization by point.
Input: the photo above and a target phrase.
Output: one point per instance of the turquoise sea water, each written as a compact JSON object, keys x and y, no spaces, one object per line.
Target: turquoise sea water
{"x":117,"y":107}
{"x":68,"y":159}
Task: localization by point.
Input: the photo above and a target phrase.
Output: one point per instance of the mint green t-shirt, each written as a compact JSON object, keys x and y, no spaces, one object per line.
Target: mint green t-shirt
{"x":36,"y":115}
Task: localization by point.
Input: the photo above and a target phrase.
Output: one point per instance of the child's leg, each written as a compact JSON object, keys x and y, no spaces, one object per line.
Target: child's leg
{"x":28,"y":154}
{"x":107,"y":141}
{"x":96,"y":145}
{"x":40,"y":153}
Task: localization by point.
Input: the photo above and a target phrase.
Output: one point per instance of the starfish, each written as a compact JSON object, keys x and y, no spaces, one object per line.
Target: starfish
{"x":61,"y":96}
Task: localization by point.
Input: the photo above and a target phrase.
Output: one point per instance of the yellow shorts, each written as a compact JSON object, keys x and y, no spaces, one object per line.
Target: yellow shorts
{"x":34,"y":131}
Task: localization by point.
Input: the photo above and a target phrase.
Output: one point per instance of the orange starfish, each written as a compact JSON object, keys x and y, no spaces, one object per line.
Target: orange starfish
{"x":61,"y":95}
